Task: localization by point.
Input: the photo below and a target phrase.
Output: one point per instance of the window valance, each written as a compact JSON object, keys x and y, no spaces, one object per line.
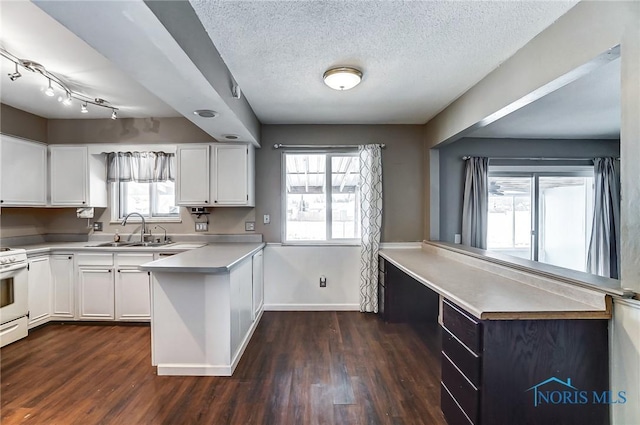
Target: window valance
{"x":140,"y":167}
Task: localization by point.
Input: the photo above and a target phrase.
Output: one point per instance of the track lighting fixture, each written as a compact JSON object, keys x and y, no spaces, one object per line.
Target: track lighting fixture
{"x":69,"y":95}
{"x":49,"y":91}
{"x":14,"y":76}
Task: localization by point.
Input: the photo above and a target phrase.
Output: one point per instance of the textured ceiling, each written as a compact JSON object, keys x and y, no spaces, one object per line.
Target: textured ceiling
{"x":29,"y":33}
{"x":417,"y":56}
{"x":588,"y":108}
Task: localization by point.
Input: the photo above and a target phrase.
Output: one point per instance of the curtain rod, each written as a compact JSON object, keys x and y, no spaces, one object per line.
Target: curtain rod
{"x":280,"y":145}
{"x":464,"y":158}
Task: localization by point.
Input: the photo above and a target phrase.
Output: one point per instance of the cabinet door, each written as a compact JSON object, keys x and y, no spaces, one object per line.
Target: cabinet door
{"x":39,"y":295}
{"x":133,"y":299}
{"x":230,"y":175}
{"x":192,"y":181}
{"x":23,"y":172}
{"x":258,"y":283}
{"x":62,"y":287}
{"x":96,"y":290}
{"x":69,"y":175}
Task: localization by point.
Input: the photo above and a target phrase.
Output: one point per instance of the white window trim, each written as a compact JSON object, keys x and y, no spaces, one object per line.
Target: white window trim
{"x":283,"y":207}
{"x":114,"y":204}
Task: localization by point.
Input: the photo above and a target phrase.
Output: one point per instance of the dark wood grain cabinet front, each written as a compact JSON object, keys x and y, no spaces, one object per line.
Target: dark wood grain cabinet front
{"x":525,"y":372}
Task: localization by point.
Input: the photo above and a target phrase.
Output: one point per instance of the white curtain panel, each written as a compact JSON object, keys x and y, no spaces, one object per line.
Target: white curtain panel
{"x":604,"y":247}
{"x":140,"y":167}
{"x":370,"y":224}
{"x":475,"y":202}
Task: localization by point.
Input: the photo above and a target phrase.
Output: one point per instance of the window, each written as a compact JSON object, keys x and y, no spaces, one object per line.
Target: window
{"x":321,"y":197}
{"x":152,"y":200}
{"x":542,"y":215}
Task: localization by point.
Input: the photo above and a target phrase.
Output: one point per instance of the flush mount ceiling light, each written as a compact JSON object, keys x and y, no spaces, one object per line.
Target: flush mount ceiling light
{"x":230,"y":137}
{"x":342,"y":78}
{"x":69,"y":94}
{"x":205,"y":113}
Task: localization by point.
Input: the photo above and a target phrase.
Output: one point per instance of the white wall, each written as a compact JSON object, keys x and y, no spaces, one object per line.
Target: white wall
{"x":292,"y":275}
{"x":624,"y":334}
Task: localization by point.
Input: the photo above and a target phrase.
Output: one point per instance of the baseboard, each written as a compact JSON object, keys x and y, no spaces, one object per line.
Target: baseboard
{"x":312,"y":307}
{"x":177,"y":369}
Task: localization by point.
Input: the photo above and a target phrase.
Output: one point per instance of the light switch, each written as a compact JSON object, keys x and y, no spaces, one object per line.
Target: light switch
{"x":267,"y":219}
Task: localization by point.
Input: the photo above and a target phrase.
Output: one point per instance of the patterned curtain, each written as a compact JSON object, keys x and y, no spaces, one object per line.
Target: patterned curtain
{"x":604,"y":247}
{"x":370,"y":224}
{"x":475,"y":203}
{"x":140,"y":167}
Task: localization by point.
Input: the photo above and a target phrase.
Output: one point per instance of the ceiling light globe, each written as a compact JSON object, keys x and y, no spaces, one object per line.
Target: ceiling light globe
{"x":343,"y":78}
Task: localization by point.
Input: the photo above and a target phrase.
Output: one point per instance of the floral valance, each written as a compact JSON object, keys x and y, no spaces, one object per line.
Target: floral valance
{"x":141,"y":167}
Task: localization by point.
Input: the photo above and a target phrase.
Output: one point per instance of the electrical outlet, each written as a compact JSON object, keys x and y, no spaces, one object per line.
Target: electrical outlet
{"x":323,"y":282}
{"x":250,"y":226}
{"x":266,"y":219}
{"x":97,"y":226}
{"x":202,"y":227}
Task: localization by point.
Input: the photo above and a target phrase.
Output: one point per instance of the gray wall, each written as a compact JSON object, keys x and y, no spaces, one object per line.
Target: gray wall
{"x":19,"y":123}
{"x":452,"y":166}
{"x":403,"y":173}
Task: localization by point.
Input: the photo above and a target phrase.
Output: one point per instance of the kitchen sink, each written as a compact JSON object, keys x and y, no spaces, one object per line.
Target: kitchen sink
{"x":150,"y":244}
{"x":113,"y":244}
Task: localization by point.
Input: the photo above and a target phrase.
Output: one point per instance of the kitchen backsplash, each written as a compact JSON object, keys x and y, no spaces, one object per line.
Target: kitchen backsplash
{"x":17,"y":222}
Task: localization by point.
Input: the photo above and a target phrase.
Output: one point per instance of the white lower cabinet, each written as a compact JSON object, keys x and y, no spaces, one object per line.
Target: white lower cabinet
{"x":62,"y":287}
{"x":133,"y":288}
{"x":110,"y":287}
{"x":96,"y":293}
{"x":39,"y":296}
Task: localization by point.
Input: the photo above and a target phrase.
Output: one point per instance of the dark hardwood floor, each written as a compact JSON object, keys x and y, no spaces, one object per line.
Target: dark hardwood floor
{"x":299,"y":368}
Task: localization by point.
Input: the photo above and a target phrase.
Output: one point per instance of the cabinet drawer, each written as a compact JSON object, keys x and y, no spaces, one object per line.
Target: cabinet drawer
{"x":462,"y":325}
{"x":133,"y":259}
{"x":467,"y":361}
{"x":452,"y":412}
{"x":95,"y":259}
{"x":466,"y":395}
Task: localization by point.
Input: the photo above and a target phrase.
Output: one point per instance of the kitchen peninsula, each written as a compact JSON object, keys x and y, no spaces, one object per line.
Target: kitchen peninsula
{"x":508,"y":337}
{"x":206,"y":304}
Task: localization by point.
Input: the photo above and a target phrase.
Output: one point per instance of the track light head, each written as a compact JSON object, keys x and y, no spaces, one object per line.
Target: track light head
{"x":15,"y":75}
{"x":114,"y":115}
{"x":49,"y":91}
{"x":67,"y":100}
{"x":83,"y":108}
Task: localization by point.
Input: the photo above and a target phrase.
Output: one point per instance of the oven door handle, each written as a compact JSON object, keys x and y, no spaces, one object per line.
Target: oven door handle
{"x":13,"y":268}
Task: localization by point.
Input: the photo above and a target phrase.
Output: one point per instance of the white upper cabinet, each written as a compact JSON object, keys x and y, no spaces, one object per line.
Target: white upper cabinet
{"x":23,"y":172}
{"x":192,"y":181}
{"x":233,"y":175}
{"x":216,"y":175}
{"x":77,"y":179}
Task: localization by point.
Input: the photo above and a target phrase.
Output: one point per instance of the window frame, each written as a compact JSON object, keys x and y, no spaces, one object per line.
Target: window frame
{"x":117,"y":191}
{"x":329,"y":153}
{"x":534,"y":172}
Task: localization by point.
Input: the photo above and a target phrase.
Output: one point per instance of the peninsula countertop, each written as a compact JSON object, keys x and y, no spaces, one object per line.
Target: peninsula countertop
{"x":497,"y":294}
{"x":212,"y":259}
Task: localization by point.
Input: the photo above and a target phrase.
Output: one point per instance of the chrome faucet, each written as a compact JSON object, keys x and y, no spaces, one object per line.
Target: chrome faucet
{"x":143,"y":224}
{"x":165,"y":231}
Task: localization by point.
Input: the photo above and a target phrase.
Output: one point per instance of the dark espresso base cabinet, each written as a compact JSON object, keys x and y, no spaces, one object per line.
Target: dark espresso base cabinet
{"x":524,"y":372}
{"x":508,"y":372}
{"x":402,"y":299}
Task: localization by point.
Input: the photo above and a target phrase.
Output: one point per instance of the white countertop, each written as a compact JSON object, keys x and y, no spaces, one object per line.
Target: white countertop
{"x":213,"y":258}
{"x":489,"y":295}
{"x":47,"y":247}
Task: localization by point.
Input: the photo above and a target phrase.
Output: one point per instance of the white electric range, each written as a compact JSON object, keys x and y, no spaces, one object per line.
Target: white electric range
{"x":14,"y":305}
